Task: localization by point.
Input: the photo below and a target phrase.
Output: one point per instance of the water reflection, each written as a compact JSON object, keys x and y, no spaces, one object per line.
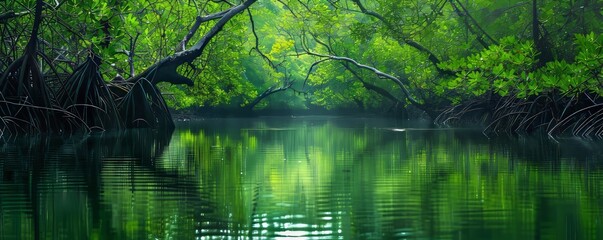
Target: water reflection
{"x":300,"y":178}
{"x":53,"y":187}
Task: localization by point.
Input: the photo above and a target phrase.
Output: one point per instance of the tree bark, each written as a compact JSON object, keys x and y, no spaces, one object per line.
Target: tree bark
{"x":32,"y":45}
{"x":132,"y":53}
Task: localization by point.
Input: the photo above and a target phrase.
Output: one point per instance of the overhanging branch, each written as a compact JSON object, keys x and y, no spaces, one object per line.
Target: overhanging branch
{"x":198,"y":21}
{"x":271,"y":90}
{"x":379,"y":73}
{"x":165,"y":69}
{"x":372,"y":87}
{"x":257,"y":43}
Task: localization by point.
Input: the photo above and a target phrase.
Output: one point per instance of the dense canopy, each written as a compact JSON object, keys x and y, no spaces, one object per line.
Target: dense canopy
{"x":513,"y":66}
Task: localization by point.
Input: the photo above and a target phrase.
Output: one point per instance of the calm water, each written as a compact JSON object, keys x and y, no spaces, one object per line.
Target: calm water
{"x":304,"y":178}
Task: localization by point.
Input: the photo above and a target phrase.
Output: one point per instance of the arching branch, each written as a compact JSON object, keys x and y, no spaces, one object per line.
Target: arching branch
{"x":365,"y":84}
{"x":379,"y":73}
{"x":372,"y":87}
{"x":165,"y":69}
{"x":271,"y":90}
{"x":198,"y":21}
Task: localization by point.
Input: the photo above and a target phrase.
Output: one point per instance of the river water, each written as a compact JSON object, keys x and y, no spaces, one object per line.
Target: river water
{"x":300,"y":178}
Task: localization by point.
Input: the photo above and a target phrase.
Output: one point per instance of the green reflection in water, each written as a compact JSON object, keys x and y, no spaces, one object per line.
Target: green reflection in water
{"x":308,"y":177}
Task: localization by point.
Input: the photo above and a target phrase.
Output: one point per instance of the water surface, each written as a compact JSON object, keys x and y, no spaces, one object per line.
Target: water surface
{"x":304,"y":178}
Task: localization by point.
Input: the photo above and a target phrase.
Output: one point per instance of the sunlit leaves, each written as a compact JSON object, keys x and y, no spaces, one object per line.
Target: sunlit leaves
{"x":234,"y":70}
{"x":510,"y":68}
{"x":281,"y":46}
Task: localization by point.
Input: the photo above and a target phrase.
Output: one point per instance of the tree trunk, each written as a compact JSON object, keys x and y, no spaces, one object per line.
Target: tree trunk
{"x":540,"y":38}
{"x":32,"y":45}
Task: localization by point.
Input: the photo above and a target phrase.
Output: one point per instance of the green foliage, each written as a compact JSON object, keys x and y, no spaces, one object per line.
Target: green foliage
{"x":503,"y":69}
{"x":406,"y":39}
{"x":510,"y":69}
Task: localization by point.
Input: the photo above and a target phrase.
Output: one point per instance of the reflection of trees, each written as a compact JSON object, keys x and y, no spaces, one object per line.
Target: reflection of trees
{"x":300,"y":177}
{"x":75,"y":187}
{"x":330,"y":178}
{"x":20,"y":207}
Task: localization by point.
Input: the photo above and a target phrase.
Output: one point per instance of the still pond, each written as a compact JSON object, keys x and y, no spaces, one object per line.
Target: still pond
{"x":300,"y":178}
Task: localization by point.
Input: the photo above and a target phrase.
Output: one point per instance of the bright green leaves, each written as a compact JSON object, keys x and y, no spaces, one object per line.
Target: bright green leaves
{"x":497,"y":69}
{"x":362,"y":32}
{"x":590,"y":53}
{"x":583,"y":75}
{"x":177,"y":97}
{"x":232,"y":73}
{"x":281,"y":46}
{"x":477,"y":82}
{"x":97,"y":10}
{"x":510,"y":68}
{"x":131,"y":21}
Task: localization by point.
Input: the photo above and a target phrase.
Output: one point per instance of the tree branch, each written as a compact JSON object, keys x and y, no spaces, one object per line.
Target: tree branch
{"x":365,"y":84}
{"x":403,"y":39}
{"x":372,"y":87}
{"x":32,"y":45}
{"x":131,"y":54}
{"x":470,"y":22}
{"x":165,"y":69}
{"x":379,"y":73}
{"x":4,"y":17}
{"x":198,"y":21}
{"x":288,"y":8}
{"x":312,"y":68}
{"x":257,"y":43}
{"x":268,"y":92}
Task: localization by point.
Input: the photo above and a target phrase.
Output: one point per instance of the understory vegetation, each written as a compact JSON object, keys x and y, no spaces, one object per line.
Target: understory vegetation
{"x":510,"y":66}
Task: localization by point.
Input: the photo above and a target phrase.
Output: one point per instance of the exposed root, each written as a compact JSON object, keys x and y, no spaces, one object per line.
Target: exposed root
{"x":143,"y":106}
{"x":580,"y":116}
{"x":86,"y":95}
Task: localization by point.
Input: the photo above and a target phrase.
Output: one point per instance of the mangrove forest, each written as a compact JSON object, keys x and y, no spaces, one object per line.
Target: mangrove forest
{"x":509,"y":66}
